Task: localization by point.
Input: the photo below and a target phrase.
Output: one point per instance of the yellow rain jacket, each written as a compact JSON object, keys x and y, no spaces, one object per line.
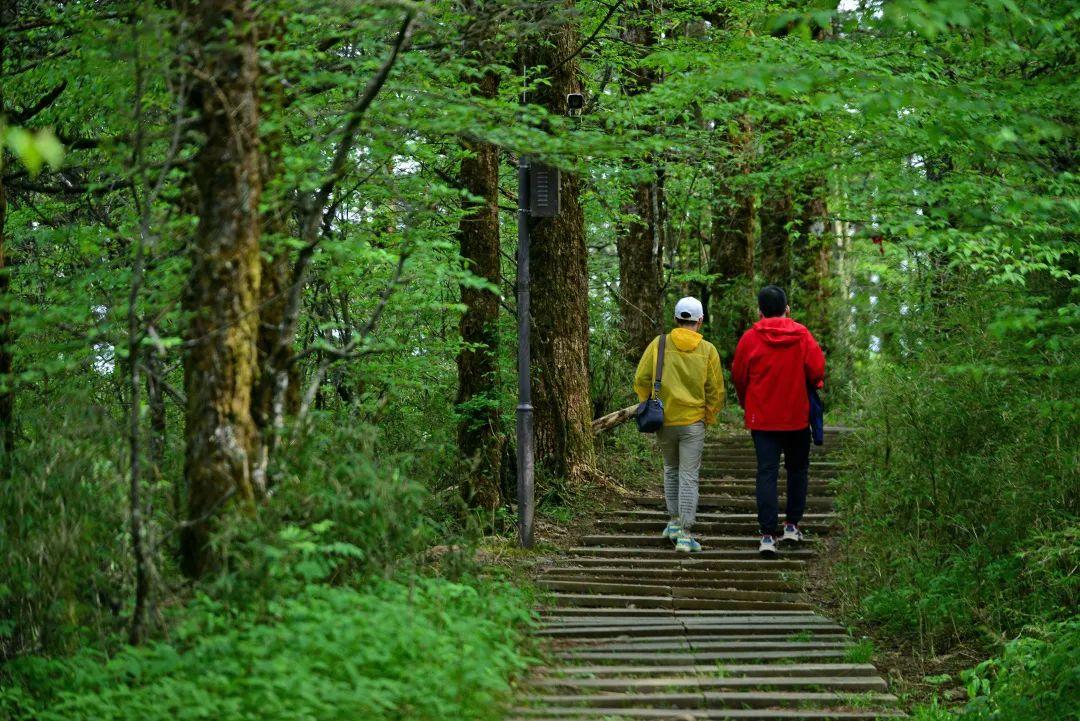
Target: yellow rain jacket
{"x":692,"y":387}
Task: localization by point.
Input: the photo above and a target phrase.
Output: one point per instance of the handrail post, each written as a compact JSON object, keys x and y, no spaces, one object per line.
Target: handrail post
{"x":525,"y":488}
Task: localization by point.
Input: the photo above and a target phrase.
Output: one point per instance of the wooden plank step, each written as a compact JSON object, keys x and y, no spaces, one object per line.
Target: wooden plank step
{"x":773,"y":642}
{"x":668,"y":551}
{"x":622,"y":714}
{"x":709,"y":643}
{"x":711,"y":528}
{"x":664,"y":681}
{"x":641,"y":540}
{"x":718,"y":670}
{"x":813,"y":503}
{"x":673,"y":573}
{"x":735,"y":618}
{"x":692,"y":620}
{"x":583,"y":579}
{"x":717,"y":699}
{"x":740,"y":560}
{"x":689,"y":615}
{"x":698,"y":658}
{"x":661,"y":515}
{"x":650,"y":630}
{"x":817,"y":487}
{"x":689,"y":592}
{"x":775,"y":601}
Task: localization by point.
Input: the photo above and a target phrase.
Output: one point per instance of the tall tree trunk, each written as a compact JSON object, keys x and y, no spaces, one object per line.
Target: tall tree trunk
{"x":560,"y":285}
{"x":813,"y":262}
{"x":275,"y":358}
{"x":641,"y":243}
{"x":777,"y":221}
{"x":7,"y":389}
{"x":7,"y":392}
{"x":731,"y":247}
{"x":477,"y":364}
{"x":222,"y":295}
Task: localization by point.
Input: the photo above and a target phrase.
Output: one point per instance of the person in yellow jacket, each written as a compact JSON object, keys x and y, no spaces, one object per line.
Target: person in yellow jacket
{"x":692,"y":389}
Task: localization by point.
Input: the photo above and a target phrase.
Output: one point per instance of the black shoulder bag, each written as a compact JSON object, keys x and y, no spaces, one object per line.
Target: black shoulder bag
{"x":650,"y":414}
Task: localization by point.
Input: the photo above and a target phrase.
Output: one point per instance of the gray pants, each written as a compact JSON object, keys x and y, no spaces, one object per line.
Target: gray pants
{"x":682,"y":446}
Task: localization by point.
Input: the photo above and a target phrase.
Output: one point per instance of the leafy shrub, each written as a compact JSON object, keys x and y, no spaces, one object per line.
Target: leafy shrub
{"x":336,"y":476}
{"x":961,"y":517}
{"x":63,"y":544}
{"x":429,"y":650}
{"x":1036,"y":677}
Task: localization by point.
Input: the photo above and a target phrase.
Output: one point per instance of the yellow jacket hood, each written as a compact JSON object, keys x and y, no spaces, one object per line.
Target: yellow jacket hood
{"x":685,"y":339}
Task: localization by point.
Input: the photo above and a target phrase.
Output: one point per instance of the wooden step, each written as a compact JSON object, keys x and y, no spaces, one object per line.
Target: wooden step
{"x":641,"y":540}
{"x":759,"y":670}
{"x":742,"y":561}
{"x":731,"y":714}
{"x":816,"y":504}
{"x":707,"y":528}
{"x":665,"y":681}
{"x":715,"y":699}
{"x":699,"y":658}
{"x":733,"y":600}
{"x":669,"y":552}
{"x":645,"y":629}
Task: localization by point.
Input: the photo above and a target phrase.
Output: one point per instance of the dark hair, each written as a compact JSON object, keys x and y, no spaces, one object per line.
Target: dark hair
{"x":772,"y":301}
{"x":685,"y":322}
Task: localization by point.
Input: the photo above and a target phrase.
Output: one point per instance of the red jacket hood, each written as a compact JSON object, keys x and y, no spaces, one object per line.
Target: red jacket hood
{"x":780,"y":331}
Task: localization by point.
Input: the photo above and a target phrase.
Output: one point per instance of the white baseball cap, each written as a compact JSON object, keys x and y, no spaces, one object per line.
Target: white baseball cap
{"x":689,"y":309}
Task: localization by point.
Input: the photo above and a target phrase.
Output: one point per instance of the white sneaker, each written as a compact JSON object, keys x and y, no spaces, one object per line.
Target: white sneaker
{"x":792,"y":534}
{"x":671,"y":531}
{"x":768,"y":546}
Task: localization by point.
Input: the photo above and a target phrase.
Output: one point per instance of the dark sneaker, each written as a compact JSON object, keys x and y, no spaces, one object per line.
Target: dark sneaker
{"x":768,"y":546}
{"x":792,"y":534}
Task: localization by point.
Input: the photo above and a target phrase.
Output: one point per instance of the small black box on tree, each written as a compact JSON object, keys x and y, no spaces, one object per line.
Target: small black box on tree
{"x":544,"y":186}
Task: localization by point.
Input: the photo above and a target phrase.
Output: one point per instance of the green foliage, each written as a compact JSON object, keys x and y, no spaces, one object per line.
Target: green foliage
{"x":1037,"y":676}
{"x":962,"y":517}
{"x":428,"y":650}
{"x":33,"y":149}
{"x":62,"y":520}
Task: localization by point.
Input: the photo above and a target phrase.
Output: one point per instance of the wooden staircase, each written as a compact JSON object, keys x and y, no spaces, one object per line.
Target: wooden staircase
{"x":635,"y":630}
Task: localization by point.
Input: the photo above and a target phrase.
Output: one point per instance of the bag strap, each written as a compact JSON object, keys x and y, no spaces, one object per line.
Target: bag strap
{"x":658,"y":372}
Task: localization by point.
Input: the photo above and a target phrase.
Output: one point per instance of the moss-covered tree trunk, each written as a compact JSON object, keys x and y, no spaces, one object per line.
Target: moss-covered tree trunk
{"x":222,"y":294}
{"x":641,"y":242}
{"x":813,"y":263}
{"x":777,"y":220}
{"x":274,"y":346}
{"x":477,"y":364}
{"x":731,"y":245}
{"x":7,"y":392}
{"x":560,"y":287}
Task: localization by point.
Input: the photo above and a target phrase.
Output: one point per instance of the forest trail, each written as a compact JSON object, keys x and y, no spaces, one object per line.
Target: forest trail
{"x":637,"y":630}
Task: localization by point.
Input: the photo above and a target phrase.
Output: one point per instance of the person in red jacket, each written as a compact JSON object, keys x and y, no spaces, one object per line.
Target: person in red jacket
{"x":774,"y":362}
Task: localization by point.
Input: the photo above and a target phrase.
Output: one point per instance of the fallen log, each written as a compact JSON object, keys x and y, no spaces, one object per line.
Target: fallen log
{"x":604,"y":423}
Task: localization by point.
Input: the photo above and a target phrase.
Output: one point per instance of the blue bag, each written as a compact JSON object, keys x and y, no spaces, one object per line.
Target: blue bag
{"x":817,"y":415}
{"x":650,"y":414}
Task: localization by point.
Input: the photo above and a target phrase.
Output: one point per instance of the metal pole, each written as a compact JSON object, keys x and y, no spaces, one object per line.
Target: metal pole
{"x":525,"y":489}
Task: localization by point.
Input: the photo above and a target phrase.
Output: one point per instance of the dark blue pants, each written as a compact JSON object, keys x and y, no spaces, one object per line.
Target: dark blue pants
{"x":795,"y":446}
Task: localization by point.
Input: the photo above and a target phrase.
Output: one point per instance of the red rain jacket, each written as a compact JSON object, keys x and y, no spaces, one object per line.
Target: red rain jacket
{"x":774,"y":361}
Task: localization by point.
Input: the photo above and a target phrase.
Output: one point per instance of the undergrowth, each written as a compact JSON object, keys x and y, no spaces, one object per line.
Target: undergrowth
{"x":961,"y":522}
{"x":434,"y":650}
